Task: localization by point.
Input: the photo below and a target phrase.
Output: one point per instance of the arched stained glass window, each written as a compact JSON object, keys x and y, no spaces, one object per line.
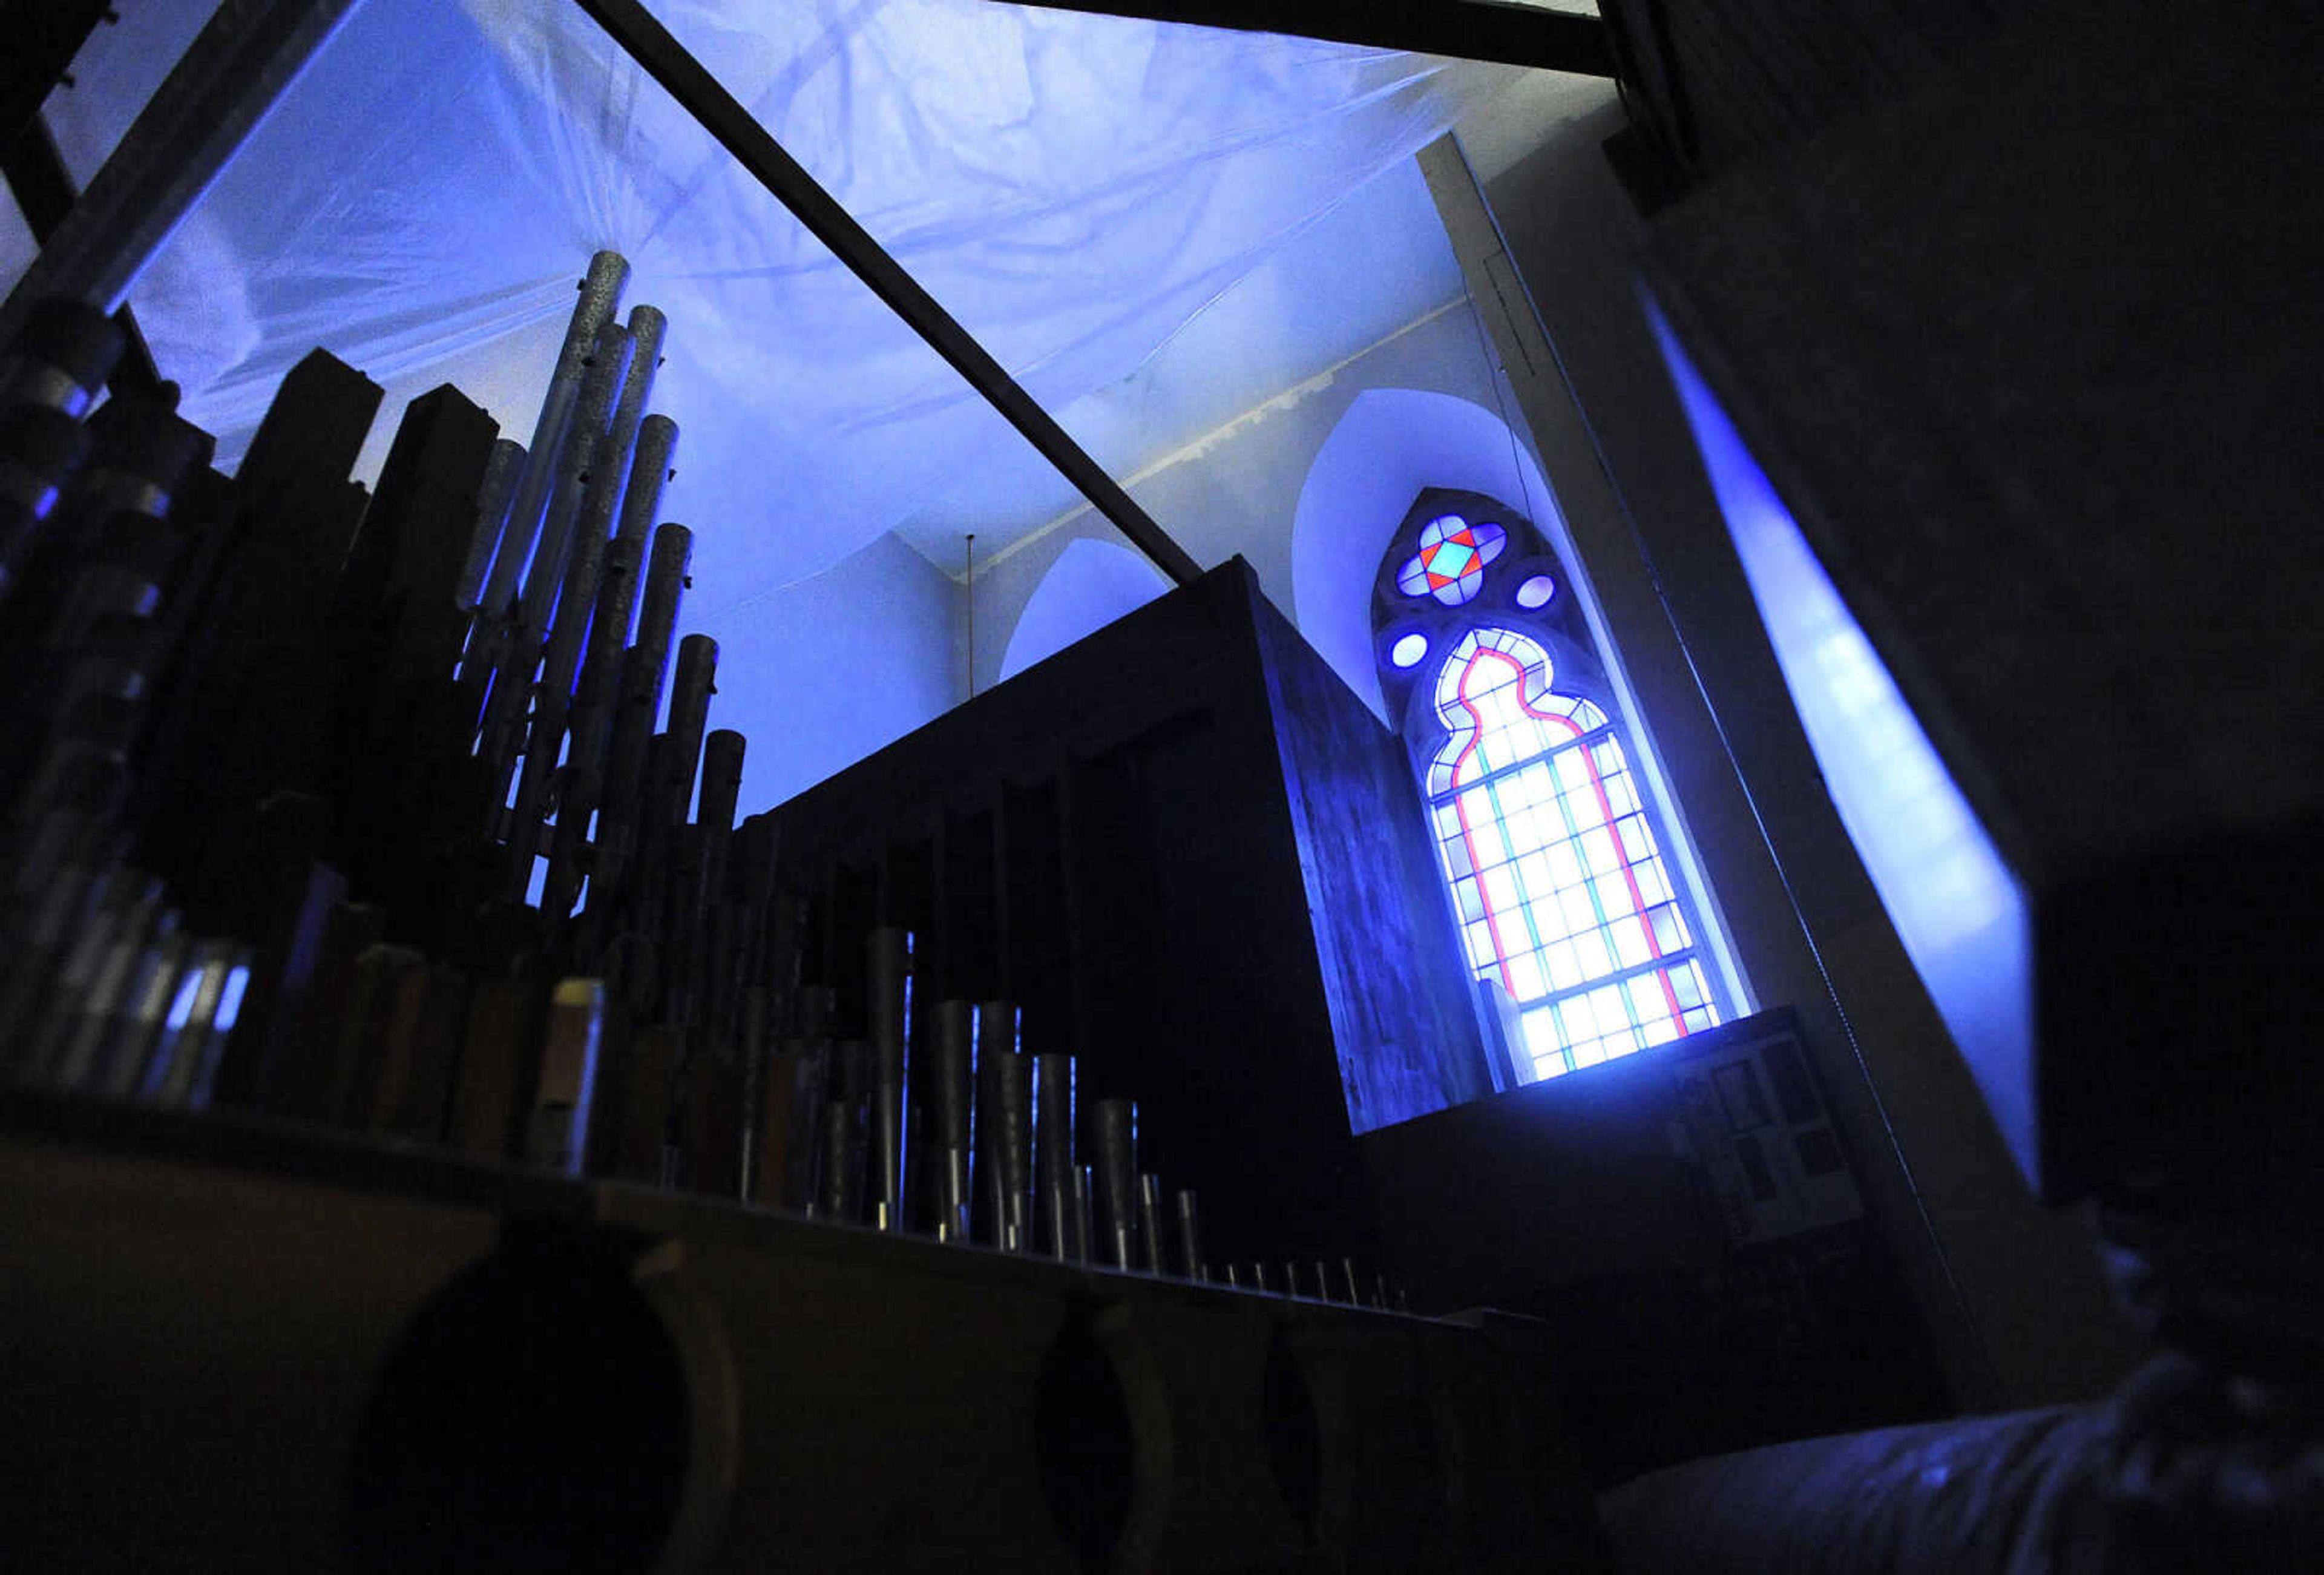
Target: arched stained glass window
{"x":1562,"y":879}
{"x":1563,"y":891}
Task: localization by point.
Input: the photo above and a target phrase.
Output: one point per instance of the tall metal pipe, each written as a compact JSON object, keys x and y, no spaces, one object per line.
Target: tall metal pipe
{"x":890,"y":972}
{"x":600,"y":294}
{"x":558,"y":1132}
{"x":589,"y":464}
{"x":1114,"y":1125}
{"x":840,"y":1161}
{"x":689,"y":718}
{"x":552,"y":708}
{"x":1190,"y":1236}
{"x":596,"y":688}
{"x":1004,"y":1127}
{"x":651,"y":470}
{"x":503,"y":471}
{"x":951,"y":1076}
{"x":1053,"y":1153}
{"x":516,"y":641}
{"x":815,"y":1073}
{"x":610,"y":466}
{"x":646,"y":664}
{"x":1153,"y":1249}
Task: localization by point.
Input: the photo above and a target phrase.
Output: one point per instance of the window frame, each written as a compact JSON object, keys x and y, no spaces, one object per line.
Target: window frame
{"x":1570,"y":667}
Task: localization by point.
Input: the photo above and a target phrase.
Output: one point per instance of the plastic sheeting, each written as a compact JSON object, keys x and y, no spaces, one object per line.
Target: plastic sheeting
{"x":1074,"y":188}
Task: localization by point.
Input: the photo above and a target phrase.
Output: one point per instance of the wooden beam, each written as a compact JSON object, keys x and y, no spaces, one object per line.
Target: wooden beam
{"x":44,"y":36}
{"x":1471,"y":30}
{"x":699,"y":93}
{"x":43,"y":188}
{"x":211,"y":101}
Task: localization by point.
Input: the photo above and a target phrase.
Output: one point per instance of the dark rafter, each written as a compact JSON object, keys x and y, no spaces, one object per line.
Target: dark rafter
{"x":1473,"y":30}
{"x":686,"y":79}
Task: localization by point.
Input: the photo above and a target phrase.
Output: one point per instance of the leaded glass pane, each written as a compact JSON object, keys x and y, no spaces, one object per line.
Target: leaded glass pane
{"x":1572,"y":908}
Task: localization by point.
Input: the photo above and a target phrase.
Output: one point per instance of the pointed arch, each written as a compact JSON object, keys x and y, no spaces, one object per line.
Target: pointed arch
{"x":1389,"y":445}
{"x":1092,"y":584}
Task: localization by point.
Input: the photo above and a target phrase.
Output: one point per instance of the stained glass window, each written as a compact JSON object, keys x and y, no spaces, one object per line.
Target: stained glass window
{"x":1563,"y":891}
{"x":1451,"y":563}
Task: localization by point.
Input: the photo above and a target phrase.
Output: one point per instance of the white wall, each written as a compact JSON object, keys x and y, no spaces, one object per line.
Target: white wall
{"x":1237,"y":489}
{"x":838,"y":665}
{"x":1092,"y":584}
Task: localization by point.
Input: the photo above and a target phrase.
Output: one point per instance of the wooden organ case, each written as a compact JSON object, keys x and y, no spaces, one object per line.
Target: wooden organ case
{"x":363,"y":1215}
{"x":1196,"y":861}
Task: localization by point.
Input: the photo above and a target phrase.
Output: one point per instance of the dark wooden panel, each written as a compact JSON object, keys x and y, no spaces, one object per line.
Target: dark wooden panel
{"x":1215,"y":890}
{"x":1712,"y":1287}
{"x":1393,"y":975}
{"x":1713,"y":85}
{"x":2031,"y":358}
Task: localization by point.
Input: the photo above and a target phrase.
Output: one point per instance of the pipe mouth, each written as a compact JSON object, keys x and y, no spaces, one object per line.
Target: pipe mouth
{"x":1294,"y":1432}
{"x":541,"y":1412}
{"x":1085,"y":1442}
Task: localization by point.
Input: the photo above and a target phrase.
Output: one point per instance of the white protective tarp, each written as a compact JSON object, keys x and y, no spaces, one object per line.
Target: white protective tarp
{"x":1072,"y":187}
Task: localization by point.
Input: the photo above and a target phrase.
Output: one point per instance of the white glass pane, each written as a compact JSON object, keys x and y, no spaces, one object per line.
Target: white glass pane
{"x":1630,"y":948}
{"x":1501,"y":890}
{"x":1597,"y":849}
{"x":1573,"y":907}
{"x":1565,"y":866}
{"x":1532,"y":874}
{"x":1564,"y":965}
{"x":1482,"y":955}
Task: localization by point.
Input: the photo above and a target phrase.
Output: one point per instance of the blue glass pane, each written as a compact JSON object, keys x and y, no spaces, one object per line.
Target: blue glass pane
{"x":1537,"y":592}
{"x":1449,"y":558}
{"x":1408,"y":649}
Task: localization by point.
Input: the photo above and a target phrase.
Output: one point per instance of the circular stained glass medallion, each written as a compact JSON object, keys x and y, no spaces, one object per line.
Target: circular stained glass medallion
{"x":1451,"y":563}
{"x":1407,"y":650}
{"x":1537,"y":592}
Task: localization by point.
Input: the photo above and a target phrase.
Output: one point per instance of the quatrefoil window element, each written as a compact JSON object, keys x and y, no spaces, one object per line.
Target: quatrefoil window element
{"x":1451,"y":563}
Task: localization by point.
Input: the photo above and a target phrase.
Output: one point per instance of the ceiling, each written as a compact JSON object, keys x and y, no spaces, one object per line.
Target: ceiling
{"x":1153,"y":228}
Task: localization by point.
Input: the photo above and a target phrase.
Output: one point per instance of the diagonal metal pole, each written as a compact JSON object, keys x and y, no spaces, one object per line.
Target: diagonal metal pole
{"x":214,"y":97}
{"x":666,"y":60}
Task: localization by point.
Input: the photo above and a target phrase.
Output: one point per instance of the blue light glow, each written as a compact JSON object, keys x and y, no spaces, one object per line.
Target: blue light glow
{"x":1408,"y":649}
{"x":1537,"y":592}
{"x":181,"y":1004}
{"x":230,"y":999}
{"x":1958,"y":910}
